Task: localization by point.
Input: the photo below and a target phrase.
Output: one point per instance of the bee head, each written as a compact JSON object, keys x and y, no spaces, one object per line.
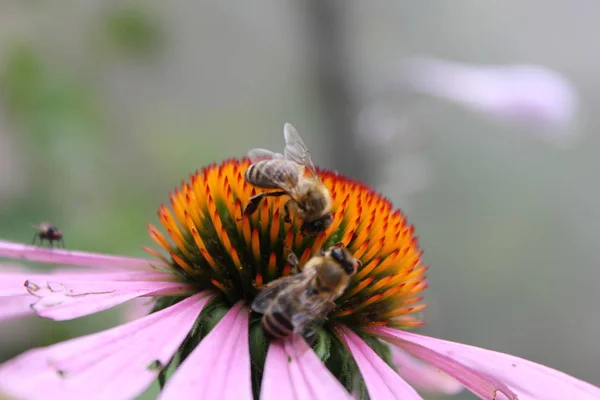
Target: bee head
{"x":54,"y":232}
{"x":350,"y":264}
{"x":317,"y":225}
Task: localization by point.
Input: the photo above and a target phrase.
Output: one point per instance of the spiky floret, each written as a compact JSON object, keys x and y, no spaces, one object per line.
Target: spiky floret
{"x":210,"y":243}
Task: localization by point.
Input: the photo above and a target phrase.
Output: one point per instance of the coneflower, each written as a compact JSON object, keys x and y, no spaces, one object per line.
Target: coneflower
{"x":202,"y":341}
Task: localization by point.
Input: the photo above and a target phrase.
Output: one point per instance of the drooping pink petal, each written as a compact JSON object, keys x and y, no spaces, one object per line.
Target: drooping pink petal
{"x":293,"y":371}
{"x":70,"y":257}
{"x":219,"y":368}
{"x":528,"y":379}
{"x":381,"y":380}
{"x":424,"y":376}
{"x":62,"y":299}
{"x":16,"y":306}
{"x":115,"y":364}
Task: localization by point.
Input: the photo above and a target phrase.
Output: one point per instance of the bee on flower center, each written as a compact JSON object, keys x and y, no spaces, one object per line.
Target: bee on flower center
{"x":300,"y":303}
{"x":49,"y":232}
{"x":294,"y":174}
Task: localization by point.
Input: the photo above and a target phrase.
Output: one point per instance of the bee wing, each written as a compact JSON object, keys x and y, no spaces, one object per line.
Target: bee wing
{"x":257,"y":155}
{"x":271,"y":290}
{"x":285,"y":177}
{"x":314,"y":312}
{"x":295,"y":149}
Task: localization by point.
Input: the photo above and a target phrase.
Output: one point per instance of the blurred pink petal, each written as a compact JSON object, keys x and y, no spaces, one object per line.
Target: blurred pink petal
{"x":219,"y":368}
{"x":17,"y":306}
{"x":115,"y":364}
{"x":528,"y":94}
{"x":293,"y":371}
{"x":381,"y":380}
{"x":61,"y":299}
{"x":424,"y":376}
{"x":69,"y":257}
{"x":528,"y":379}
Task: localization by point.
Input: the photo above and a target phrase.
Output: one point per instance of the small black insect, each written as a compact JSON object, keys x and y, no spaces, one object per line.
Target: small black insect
{"x":49,"y":232}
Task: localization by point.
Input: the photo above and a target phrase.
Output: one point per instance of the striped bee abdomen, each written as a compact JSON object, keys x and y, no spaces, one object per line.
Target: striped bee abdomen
{"x":273,"y":174}
{"x":277,"y":325}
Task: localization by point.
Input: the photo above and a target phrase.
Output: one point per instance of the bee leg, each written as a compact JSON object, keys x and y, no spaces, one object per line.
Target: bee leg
{"x":286,"y":209}
{"x":255,"y":200}
{"x":293,"y":260}
{"x":252,"y":206}
{"x":62,"y":242}
{"x":35,"y":237}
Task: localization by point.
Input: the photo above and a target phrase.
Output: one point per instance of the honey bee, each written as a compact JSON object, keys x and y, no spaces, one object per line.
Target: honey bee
{"x":293,"y":172}
{"x":49,"y":232}
{"x":300,"y":303}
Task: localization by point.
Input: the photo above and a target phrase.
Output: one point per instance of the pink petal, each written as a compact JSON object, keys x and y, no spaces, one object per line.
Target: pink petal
{"x":424,"y":376}
{"x":138,"y":308}
{"x":17,"y":306}
{"x":528,"y":379}
{"x":12,"y":283}
{"x":69,"y":257}
{"x":114,"y":364}
{"x":523,"y":93}
{"x":293,"y":371}
{"x":219,"y":368}
{"x":62,"y":299}
{"x":382,"y":381}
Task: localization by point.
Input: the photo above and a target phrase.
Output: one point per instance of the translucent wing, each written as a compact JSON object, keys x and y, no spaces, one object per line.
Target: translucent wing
{"x":314,"y":312}
{"x":295,"y":149}
{"x":284,"y":175}
{"x":257,"y":155}
{"x":271,"y":290}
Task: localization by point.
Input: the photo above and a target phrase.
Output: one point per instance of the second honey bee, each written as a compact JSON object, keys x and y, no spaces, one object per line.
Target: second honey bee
{"x":49,"y":232}
{"x":293,"y":172}
{"x":299,"y":303}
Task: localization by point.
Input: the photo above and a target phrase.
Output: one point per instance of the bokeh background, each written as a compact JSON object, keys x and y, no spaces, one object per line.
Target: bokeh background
{"x":105,"y":106}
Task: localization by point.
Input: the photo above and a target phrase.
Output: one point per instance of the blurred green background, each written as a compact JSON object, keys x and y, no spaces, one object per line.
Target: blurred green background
{"x":106,"y":106}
